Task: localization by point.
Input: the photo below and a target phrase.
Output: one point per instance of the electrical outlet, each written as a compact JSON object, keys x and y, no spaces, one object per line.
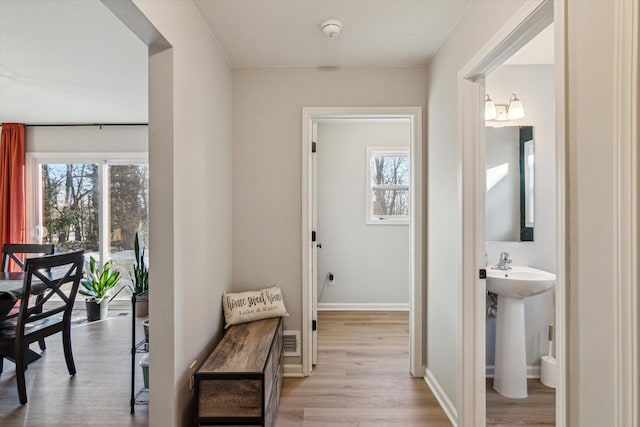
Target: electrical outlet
{"x":332,"y":279}
{"x":192,"y":372}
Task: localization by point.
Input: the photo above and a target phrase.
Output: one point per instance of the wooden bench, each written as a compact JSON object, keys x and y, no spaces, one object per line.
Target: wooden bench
{"x":240,"y":382}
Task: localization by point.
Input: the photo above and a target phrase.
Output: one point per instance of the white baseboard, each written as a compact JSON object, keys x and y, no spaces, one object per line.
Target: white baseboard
{"x":339,"y":306}
{"x":116,"y":304}
{"x":293,"y":371}
{"x":441,"y":397}
{"x":533,"y":372}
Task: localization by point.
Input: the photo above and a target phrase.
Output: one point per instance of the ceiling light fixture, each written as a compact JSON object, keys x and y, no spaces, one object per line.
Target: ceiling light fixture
{"x":331,"y":28}
{"x":502,"y":112}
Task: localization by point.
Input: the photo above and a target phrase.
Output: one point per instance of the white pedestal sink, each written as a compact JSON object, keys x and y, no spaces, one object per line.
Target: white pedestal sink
{"x":512,"y":286}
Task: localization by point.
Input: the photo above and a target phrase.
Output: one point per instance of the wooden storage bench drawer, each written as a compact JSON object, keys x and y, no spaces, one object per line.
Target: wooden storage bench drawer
{"x":240,"y":381}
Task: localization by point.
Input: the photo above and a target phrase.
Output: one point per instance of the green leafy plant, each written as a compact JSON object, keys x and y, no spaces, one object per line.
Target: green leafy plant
{"x":140,"y":273}
{"x":99,"y":281}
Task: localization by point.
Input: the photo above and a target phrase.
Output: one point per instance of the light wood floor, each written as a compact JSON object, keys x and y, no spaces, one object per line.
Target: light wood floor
{"x":537,"y":410}
{"x":362,"y":377}
{"x":97,"y":395}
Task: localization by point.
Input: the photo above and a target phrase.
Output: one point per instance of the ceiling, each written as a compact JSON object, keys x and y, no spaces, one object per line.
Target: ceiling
{"x":539,"y":50}
{"x":286,"y":33}
{"x":71,"y":61}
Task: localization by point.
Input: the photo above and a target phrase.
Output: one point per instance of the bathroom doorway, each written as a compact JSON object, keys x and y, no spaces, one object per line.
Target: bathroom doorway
{"x":520,"y":211}
{"x":474,"y":78}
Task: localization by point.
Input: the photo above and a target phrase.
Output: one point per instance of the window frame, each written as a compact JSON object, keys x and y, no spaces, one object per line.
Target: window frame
{"x":371,"y":219}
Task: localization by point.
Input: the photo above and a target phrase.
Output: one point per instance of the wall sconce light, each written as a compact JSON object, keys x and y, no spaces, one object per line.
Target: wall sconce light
{"x":516,"y":111}
{"x":502,"y":112}
{"x":489,"y":109}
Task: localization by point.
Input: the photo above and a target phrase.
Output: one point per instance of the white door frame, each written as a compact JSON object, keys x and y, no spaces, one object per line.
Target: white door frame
{"x":533,"y":17}
{"x":627,"y":213}
{"x":416,"y":316}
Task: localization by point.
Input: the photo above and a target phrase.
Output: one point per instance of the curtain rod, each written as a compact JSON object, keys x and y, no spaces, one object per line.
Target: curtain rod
{"x":85,"y":124}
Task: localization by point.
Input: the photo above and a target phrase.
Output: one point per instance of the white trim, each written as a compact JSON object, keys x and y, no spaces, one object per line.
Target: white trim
{"x":562,"y":276}
{"x":294,"y":371}
{"x":339,"y":306}
{"x":471,"y":358}
{"x":416,"y":316}
{"x":625,"y":194}
{"x":113,"y":157}
{"x":307,"y":225}
{"x":533,"y":371}
{"x":314,"y":247}
{"x":445,"y":403}
{"x":123,"y":303}
{"x":530,"y":19}
{"x":527,"y":22}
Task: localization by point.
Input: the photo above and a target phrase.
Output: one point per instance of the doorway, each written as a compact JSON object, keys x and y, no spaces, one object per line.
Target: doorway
{"x":521,"y":220}
{"x":523,"y":27}
{"x":413,"y":115}
{"x":362,"y":209}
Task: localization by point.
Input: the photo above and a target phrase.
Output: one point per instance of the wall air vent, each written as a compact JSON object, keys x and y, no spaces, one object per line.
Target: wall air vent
{"x":291,"y":343}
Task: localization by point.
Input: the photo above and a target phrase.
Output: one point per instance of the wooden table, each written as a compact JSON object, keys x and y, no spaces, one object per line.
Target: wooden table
{"x":10,"y":292}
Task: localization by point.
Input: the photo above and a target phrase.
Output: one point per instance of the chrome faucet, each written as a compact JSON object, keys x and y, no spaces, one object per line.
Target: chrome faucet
{"x":503,"y":262}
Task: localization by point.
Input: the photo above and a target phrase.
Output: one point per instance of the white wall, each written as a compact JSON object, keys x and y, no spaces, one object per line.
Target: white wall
{"x":267,"y":124}
{"x":370,"y":262}
{"x":591,"y":220}
{"x":479,"y":23}
{"x":190,"y":202}
{"x":534,"y":85}
{"x":503,"y":196}
{"x":87,"y":139}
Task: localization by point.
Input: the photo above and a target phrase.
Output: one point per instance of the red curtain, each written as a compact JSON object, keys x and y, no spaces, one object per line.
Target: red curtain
{"x":12,"y":173}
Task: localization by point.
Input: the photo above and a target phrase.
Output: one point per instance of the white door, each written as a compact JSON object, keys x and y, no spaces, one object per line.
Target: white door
{"x":315,"y":243}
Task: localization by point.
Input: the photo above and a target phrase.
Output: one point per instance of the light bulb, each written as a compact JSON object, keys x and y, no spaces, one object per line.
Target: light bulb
{"x":516,"y":111}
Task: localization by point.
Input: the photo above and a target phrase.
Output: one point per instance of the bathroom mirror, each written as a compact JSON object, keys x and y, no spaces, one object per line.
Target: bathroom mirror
{"x":510,"y":183}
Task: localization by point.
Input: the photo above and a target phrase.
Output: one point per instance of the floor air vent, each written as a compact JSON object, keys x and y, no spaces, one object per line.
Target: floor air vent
{"x":291,"y":343}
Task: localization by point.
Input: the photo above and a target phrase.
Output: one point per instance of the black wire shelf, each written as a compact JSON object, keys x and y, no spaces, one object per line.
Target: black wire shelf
{"x":142,"y":347}
{"x":142,"y":397}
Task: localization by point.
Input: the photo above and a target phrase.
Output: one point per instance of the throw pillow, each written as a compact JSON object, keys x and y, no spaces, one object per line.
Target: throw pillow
{"x":248,"y":306}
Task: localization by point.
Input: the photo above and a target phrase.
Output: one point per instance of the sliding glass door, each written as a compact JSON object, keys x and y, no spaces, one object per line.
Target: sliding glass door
{"x":93,"y":202}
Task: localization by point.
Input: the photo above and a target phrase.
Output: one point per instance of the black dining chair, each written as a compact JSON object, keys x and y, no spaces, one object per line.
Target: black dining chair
{"x":12,"y":251}
{"x":18,"y":253}
{"x":42,"y":317}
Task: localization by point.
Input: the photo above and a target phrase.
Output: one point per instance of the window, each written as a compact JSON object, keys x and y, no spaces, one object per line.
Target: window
{"x":387,"y":186}
{"x":91,"y":202}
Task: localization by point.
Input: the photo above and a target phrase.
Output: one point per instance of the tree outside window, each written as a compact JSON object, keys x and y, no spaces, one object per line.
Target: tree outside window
{"x":70,"y":206}
{"x":388,"y":182}
{"x":97,"y":205}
